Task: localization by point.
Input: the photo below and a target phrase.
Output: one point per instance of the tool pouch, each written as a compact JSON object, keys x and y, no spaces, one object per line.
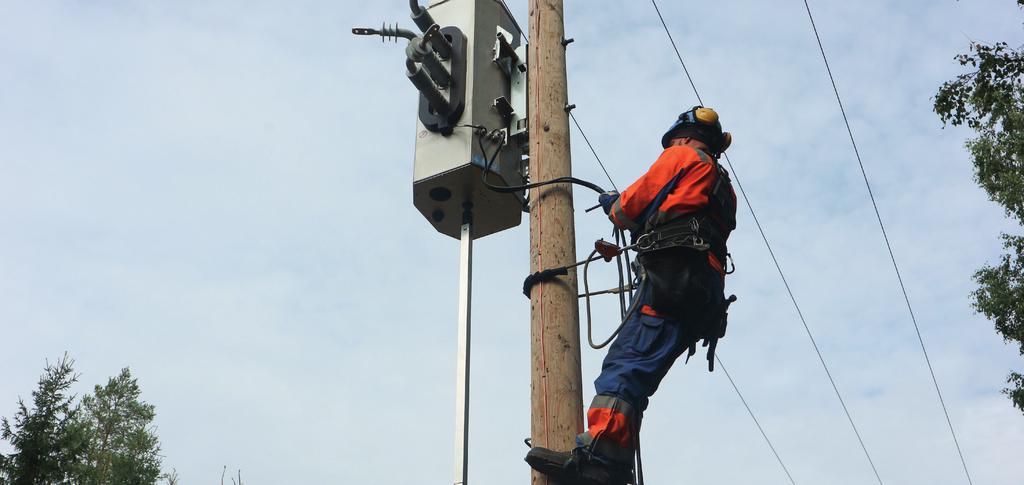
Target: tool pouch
{"x":685,"y":287}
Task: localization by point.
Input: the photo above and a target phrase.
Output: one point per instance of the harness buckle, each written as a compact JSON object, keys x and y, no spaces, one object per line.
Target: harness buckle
{"x":699,"y":243}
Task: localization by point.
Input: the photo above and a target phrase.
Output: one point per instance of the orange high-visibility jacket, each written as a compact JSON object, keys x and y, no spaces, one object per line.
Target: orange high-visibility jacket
{"x":691,"y":194}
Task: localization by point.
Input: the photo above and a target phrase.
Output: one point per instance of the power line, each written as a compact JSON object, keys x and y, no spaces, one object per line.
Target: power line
{"x":599,"y":162}
{"x":758,"y":423}
{"x":678,"y":55}
{"x":888,"y":245}
{"x":778,"y":266}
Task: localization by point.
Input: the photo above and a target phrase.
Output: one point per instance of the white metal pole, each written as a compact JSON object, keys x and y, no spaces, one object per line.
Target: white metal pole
{"x":462,"y":360}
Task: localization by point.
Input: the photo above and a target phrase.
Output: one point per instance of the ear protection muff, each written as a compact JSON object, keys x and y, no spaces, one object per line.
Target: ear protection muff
{"x":705,"y":121}
{"x":706,"y":116}
{"x":699,"y":115}
{"x":726,"y":142}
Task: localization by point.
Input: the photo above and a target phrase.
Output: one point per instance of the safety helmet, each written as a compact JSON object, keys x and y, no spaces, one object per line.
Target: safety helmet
{"x":700,"y":123}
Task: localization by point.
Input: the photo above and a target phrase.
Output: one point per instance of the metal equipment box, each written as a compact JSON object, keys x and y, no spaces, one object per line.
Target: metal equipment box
{"x":448,"y":168}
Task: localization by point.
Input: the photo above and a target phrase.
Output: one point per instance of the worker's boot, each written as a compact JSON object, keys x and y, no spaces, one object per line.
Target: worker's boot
{"x":578,"y":467}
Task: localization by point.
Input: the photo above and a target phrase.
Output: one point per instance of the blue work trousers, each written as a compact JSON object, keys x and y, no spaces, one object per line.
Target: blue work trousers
{"x":642,"y":354}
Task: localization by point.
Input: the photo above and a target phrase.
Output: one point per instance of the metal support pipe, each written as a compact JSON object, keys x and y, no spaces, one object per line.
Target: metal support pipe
{"x":462,"y":360}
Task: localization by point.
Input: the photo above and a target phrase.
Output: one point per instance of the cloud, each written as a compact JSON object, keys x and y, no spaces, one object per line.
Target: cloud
{"x":217,"y":194}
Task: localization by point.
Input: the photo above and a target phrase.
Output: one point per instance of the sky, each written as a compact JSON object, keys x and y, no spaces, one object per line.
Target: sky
{"x":217,"y":195}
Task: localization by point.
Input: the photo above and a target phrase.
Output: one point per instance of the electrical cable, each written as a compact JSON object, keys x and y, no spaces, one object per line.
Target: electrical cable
{"x":888,"y":245}
{"x":758,"y":423}
{"x":508,"y":189}
{"x":599,"y":162}
{"x":778,"y":266}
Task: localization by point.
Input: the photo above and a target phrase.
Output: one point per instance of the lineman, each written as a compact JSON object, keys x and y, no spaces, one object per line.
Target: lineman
{"x":680,"y":214}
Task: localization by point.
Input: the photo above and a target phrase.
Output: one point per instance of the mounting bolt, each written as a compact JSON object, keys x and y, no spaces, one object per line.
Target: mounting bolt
{"x":569,"y":107}
{"x":566,"y":42}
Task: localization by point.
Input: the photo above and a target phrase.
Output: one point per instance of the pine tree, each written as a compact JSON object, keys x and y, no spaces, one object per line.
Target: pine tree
{"x":47,"y":439}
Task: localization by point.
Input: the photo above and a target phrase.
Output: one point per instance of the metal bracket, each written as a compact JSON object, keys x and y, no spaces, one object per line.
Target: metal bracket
{"x":512,"y":61}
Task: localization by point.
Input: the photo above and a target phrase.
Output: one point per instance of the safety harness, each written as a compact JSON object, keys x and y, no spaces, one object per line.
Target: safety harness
{"x":705,"y":230}
{"x":676,"y":290}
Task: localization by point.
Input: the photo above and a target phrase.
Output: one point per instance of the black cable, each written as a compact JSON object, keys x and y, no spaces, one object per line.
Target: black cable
{"x":758,"y":423}
{"x":599,"y":162}
{"x":888,"y":245}
{"x":778,"y":266}
{"x":678,"y":55}
{"x":508,"y":189}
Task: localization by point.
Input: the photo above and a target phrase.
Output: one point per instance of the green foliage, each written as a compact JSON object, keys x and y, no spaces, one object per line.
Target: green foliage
{"x":47,"y":438}
{"x":990,"y":100}
{"x":107,"y":439}
{"x":1000,"y":297}
{"x":122,"y":446}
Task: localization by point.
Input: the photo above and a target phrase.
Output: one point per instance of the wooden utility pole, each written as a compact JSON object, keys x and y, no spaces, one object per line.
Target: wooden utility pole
{"x":556,"y":384}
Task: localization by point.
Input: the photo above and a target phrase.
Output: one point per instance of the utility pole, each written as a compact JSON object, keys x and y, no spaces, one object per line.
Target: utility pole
{"x":556,"y":381}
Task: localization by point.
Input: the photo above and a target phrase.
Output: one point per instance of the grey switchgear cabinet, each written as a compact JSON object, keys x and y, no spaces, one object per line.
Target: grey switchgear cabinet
{"x":448,"y":167}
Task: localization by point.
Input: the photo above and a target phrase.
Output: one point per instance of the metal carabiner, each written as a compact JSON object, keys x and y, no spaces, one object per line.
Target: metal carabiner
{"x":645,"y":242}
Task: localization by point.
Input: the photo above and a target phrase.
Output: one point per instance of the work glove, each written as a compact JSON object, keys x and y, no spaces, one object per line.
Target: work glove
{"x":608,"y":199}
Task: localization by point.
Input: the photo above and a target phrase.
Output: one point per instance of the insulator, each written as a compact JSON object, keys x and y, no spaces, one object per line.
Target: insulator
{"x":426,"y":86}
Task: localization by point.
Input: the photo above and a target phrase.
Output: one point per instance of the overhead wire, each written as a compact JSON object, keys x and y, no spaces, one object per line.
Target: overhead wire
{"x":596,"y":157}
{"x":885,"y":236}
{"x":775,"y":260}
{"x":756,"y":421}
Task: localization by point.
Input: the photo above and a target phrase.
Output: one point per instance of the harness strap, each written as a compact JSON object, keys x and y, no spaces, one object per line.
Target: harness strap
{"x":694,"y":232}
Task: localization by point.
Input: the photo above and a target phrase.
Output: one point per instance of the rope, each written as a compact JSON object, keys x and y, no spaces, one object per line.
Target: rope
{"x":888,"y":245}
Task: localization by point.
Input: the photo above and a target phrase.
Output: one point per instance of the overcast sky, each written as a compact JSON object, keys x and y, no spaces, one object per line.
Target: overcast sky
{"x":217,"y":194}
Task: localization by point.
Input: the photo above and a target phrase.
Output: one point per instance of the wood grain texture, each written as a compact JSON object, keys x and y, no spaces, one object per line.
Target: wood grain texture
{"x":556,"y":384}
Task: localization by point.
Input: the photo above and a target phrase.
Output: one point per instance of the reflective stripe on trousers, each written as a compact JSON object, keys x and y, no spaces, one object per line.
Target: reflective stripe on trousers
{"x":636,"y":363}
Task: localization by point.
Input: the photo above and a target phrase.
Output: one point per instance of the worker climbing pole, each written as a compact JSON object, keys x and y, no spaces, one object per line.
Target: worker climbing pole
{"x":680,"y":214}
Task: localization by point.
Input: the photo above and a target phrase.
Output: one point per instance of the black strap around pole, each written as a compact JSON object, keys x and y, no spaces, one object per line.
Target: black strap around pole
{"x":542,"y":277}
